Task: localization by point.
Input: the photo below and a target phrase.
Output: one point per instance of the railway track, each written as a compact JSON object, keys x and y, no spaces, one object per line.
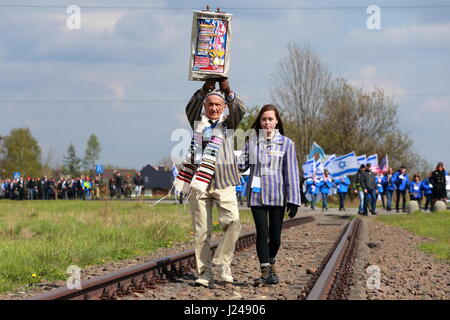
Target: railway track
{"x":147,"y":275}
{"x":332,"y":279}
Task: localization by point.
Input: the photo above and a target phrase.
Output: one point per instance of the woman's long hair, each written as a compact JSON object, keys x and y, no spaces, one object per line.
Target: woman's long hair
{"x":440,"y":165}
{"x":268,"y":107}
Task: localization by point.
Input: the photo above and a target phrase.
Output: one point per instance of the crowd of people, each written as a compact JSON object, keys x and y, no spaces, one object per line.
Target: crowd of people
{"x":372,"y":186}
{"x":83,"y":188}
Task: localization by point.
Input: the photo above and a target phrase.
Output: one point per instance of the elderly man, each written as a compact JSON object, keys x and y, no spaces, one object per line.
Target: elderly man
{"x":210,"y":173}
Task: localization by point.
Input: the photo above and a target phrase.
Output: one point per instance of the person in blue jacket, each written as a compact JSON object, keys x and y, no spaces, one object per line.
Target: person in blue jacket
{"x":401,"y":182}
{"x":388,"y":187}
{"x":415,"y":190}
{"x":427,"y":188}
{"x":325,"y":185}
{"x":342,"y":184}
{"x":380,"y":189}
{"x":312,"y":189}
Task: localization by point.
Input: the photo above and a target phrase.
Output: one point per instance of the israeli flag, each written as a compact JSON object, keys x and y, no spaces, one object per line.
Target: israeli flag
{"x":316,"y":149}
{"x":174,"y":171}
{"x":373,"y":160}
{"x":344,"y":166}
{"x":309,"y":168}
{"x":328,"y":162}
{"x":362,"y":159}
{"x":319,"y":168}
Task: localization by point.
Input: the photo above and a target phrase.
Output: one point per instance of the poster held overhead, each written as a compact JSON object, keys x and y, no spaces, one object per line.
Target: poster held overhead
{"x":210,"y":45}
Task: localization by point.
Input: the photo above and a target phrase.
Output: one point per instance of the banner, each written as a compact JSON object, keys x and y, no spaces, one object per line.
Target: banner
{"x":316,"y":149}
{"x":210,"y":45}
{"x":362,"y":159}
{"x":373,"y":160}
{"x":174,"y":171}
{"x":319,"y":168}
{"x":328,"y":162}
{"x":344,"y":166}
{"x":309,"y":168}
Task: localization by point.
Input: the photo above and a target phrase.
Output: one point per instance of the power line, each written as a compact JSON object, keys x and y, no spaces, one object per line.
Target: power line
{"x":184,"y":99}
{"x":226,"y":8}
{"x":145,"y":83}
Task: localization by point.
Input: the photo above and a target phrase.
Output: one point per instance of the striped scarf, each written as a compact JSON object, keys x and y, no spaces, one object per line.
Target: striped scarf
{"x":197,"y":170}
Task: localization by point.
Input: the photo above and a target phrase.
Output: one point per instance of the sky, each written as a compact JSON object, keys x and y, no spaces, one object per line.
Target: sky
{"x":124,"y":74}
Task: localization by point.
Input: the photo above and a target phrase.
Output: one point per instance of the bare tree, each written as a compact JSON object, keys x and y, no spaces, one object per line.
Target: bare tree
{"x":298,"y":87}
{"x":366,"y":122}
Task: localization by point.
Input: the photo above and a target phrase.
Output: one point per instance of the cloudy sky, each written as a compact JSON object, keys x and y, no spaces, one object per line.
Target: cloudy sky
{"x":123,"y":75}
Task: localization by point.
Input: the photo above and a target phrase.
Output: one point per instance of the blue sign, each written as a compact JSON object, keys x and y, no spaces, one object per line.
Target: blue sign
{"x":99,"y":168}
{"x":16,"y":175}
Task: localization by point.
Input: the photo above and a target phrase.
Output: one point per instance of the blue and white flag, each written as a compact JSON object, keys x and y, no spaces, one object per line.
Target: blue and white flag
{"x":319,"y":168}
{"x":309,"y":168}
{"x":316,"y":149}
{"x":328,"y":162}
{"x":373,"y":160}
{"x":362,"y":159}
{"x":174,"y":171}
{"x":344,"y":166}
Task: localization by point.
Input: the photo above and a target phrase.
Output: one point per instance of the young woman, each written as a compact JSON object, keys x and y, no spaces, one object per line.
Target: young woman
{"x":273,"y":186}
{"x":312,"y":190}
{"x":389,"y":188}
{"x":427,"y":188}
{"x":380,"y":189}
{"x":437,"y":179}
{"x":415,"y":190}
{"x":325,"y":185}
{"x":359,"y":190}
{"x":342,"y":184}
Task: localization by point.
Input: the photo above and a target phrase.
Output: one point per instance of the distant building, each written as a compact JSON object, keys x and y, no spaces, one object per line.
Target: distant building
{"x":156,"y":182}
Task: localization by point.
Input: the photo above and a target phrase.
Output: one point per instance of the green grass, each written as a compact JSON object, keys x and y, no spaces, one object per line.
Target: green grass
{"x":40,"y":239}
{"x":432,"y":225}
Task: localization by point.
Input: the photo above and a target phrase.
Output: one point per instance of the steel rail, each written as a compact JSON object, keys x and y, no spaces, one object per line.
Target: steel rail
{"x":326,"y":286}
{"x":146,"y":275}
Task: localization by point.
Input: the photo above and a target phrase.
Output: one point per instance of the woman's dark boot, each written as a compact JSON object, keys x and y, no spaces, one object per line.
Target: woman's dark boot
{"x":273,"y":274}
{"x":265,"y":278}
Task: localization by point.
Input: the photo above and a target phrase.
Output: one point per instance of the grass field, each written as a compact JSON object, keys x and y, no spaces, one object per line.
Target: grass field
{"x":40,"y":239}
{"x":433,"y":225}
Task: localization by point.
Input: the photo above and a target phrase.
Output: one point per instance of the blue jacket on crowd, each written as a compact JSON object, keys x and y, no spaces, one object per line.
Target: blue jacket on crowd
{"x":416,"y":189}
{"x":379,"y":183}
{"x":311,"y":186}
{"x":325,"y":186}
{"x":388,"y":185}
{"x":427,"y":187}
{"x":342,"y":184}
{"x":400,"y":184}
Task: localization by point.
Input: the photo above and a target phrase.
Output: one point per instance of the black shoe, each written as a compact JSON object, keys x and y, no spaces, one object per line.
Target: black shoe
{"x":265,"y":279}
{"x":273,"y":274}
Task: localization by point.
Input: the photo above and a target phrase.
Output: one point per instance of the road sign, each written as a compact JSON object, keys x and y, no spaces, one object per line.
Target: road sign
{"x":98,"y":169}
{"x":16,"y":175}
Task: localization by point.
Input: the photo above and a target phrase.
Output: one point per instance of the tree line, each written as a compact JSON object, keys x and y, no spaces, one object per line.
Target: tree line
{"x":20,"y":152}
{"x":340,"y":117}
